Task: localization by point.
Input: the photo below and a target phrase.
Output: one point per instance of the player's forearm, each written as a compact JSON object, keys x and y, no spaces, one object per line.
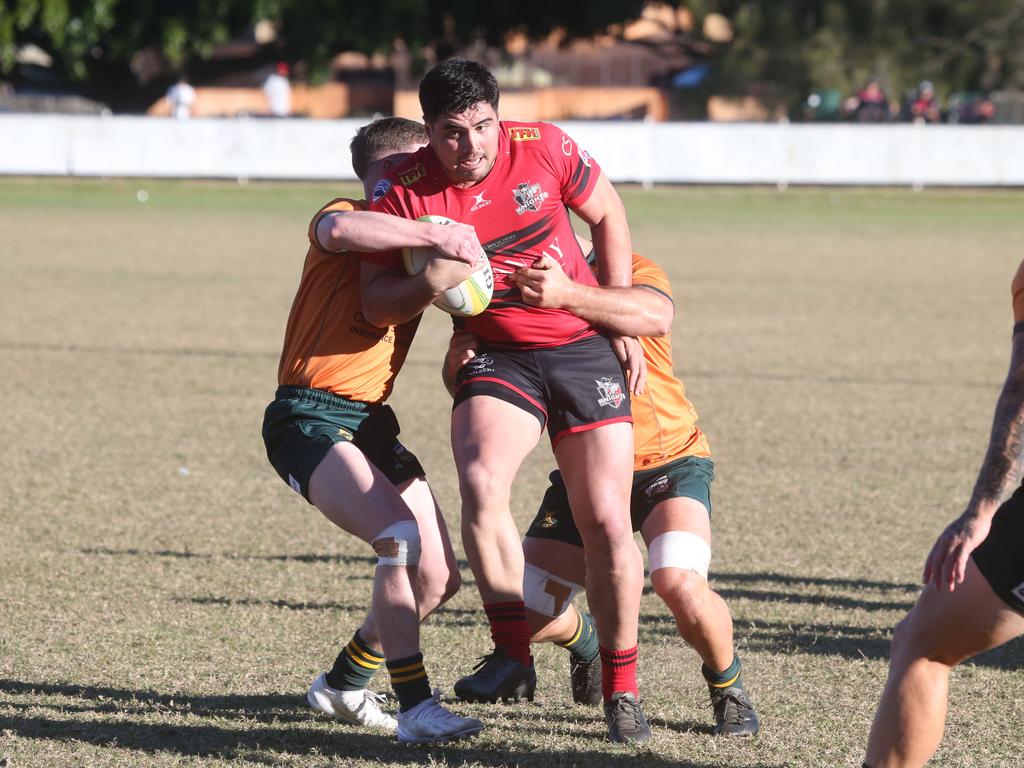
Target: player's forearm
{"x":371,"y":231}
{"x":395,"y":299}
{"x":632,"y":311}
{"x":1003,"y":466}
{"x":614,"y":249}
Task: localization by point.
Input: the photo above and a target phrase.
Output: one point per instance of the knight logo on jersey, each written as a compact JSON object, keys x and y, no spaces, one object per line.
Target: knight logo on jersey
{"x":658,"y":485}
{"x":1019,"y":590}
{"x":529,"y":196}
{"x":414,"y":174}
{"x":610,"y":391}
{"x":524,"y":134}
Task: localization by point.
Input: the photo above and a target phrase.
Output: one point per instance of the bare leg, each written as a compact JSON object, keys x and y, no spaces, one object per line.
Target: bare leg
{"x":597,"y":466}
{"x":355,"y":496}
{"x":438,"y":573}
{"x":566,"y":562}
{"x":490,"y":439}
{"x":701,"y":615}
{"x":941,"y":630}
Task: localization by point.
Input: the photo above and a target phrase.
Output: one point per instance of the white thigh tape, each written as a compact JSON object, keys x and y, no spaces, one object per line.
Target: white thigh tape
{"x":546,"y":593}
{"x":398,"y":544}
{"x":680,"y":549}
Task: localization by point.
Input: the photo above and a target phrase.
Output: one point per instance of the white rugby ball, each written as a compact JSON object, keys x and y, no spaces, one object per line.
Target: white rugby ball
{"x":468,"y":298}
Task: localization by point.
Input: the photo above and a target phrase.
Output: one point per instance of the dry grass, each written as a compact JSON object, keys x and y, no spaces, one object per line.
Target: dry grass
{"x":166,"y":599}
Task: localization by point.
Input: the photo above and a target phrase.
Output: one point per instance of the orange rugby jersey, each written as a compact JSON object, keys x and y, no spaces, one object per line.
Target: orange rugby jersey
{"x":328,"y":344}
{"x":664,"y":421}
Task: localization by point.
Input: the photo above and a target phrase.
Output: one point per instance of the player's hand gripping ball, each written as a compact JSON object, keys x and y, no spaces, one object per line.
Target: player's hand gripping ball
{"x":468,"y":298}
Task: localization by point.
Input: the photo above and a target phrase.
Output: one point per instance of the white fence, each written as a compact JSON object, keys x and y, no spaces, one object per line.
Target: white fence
{"x":649,"y":153}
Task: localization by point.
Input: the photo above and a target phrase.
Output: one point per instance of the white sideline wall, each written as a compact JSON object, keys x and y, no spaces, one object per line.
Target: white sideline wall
{"x":648,"y":153}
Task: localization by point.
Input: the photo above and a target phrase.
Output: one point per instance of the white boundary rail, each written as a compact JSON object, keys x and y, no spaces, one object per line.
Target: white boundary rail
{"x":648,"y":153}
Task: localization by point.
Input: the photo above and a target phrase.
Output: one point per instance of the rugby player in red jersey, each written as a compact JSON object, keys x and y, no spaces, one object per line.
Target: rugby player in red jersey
{"x":538,"y":368}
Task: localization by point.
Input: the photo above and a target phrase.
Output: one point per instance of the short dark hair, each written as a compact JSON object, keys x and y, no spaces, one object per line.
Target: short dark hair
{"x":383,"y":137}
{"x":455,"y":85}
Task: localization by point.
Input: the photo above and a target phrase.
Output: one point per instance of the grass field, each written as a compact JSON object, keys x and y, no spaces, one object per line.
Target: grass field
{"x":166,"y":600}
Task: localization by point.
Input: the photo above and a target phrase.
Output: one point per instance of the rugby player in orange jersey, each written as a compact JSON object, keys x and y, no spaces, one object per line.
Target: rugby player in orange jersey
{"x":973,"y":599}
{"x":331,"y":438}
{"x":670,"y":503}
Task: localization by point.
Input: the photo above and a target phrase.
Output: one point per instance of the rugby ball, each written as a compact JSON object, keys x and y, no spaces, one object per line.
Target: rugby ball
{"x":468,"y":298}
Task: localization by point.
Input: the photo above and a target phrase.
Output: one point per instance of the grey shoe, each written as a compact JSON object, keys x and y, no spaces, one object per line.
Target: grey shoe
{"x":734,"y":712}
{"x":498,"y":676}
{"x":585,"y":678}
{"x":625,"y":719}
{"x":430,"y":723}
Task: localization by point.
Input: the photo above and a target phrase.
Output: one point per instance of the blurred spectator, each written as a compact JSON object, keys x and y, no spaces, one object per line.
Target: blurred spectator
{"x":823,"y":105}
{"x":278,"y":91}
{"x":971,"y":108}
{"x":180,"y":97}
{"x":870,"y":105}
{"x":925,"y":107}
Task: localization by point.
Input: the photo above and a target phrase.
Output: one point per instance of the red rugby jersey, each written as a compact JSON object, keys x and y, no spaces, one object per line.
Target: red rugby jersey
{"x":519,"y":212}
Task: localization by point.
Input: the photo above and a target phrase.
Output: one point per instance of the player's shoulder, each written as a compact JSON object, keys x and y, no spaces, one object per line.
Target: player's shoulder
{"x":341,"y":204}
{"x":531,"y":136}
{"x":648,"y":273}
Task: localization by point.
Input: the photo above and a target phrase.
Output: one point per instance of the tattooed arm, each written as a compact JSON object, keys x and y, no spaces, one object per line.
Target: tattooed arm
{"x":999,"y":476}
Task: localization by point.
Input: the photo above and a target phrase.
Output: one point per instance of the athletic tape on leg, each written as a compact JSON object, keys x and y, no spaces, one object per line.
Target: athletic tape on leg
{"x":398,"y":544}
{"x":546,"y":593}
{"x":680,"y":549}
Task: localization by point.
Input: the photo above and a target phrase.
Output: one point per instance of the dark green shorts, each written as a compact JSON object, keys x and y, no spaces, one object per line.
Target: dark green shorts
{"x":690,"y":477}
{"x":302,"y":424}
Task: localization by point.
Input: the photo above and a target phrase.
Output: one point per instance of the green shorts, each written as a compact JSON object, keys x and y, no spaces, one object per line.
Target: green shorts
{"x":689,"y":476}
{"x":302,"y":425}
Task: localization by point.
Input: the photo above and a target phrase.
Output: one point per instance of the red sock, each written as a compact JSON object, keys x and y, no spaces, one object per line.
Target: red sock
{"x":509,"y":629}
{"x":618,"y":672}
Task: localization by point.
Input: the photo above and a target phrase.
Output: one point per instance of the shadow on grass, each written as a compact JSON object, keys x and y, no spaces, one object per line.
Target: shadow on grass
{"x":265,"y":743}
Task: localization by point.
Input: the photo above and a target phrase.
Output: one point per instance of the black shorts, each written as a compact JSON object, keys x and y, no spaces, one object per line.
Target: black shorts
{"x":302,"y":425}
{"x":1000,"y":557}
{"x":571,"y":388}
{"x":689,"y":476}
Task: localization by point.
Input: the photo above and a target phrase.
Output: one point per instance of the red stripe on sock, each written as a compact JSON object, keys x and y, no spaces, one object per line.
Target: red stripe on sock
{"x":618,"y":672}
{"x":509,"y":629}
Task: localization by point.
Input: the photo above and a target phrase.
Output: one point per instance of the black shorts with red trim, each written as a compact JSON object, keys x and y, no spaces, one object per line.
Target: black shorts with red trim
{"x":570,"y":388}
{"x":1000,"y":557}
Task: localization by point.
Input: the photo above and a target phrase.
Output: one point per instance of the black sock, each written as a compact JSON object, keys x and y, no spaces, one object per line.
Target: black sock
{"x":409,"y":679}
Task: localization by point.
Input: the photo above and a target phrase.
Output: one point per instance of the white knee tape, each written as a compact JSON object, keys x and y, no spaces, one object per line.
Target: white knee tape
{"x":398,"y":544}
{"x":546,"y":593}
{"x":680,"y":549}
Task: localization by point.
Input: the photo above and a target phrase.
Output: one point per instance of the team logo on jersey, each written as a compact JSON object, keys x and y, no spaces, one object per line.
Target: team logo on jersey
{"x":401,"y":455}
{"x":380,"y":189}
{"x":524,"y":134}
{"x":529,"y":197}
{"x":585,"y":157}
{"x":479,"y":364}
{"x":479,"y":202}
{"x":549,"y":520}
{"x":656,"y":486}
{"x":1019,"y":591}
{"x":567,"y":146}
{"x":610,"y":391}
{"x":414,"y":174}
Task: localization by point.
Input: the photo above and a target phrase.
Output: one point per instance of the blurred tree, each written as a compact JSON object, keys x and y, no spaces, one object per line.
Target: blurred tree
{"x":783,"y":50}
{"x":126,"y":52}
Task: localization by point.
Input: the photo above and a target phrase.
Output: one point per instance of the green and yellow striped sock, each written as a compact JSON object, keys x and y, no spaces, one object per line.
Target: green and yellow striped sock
{"x":583,"y":644}
{"x":730,"y":677}
{"x":409,"y":679}
{"x":354,"y":666}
